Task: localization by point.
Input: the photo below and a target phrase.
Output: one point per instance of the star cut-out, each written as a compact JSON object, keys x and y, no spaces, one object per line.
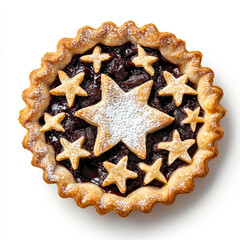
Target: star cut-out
{"x":53,"y":122}
{"x":152,"y":172}
{"x":176,"y":87}
{"x":177,"y":148}
{"x":73,"y":151}
{"x":97,"y":58}
{"x":118,"y":174}
{"x":69,"y":87}
{"x":144,"y":60}
{"x":123,"y":116}
{"x":193,"y":118}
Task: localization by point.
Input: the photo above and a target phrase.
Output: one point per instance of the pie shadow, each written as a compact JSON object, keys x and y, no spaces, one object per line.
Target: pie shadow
{"x":184,"y":202}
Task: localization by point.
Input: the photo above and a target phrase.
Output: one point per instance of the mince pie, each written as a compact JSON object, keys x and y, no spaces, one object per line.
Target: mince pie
{"x":122,"y":117}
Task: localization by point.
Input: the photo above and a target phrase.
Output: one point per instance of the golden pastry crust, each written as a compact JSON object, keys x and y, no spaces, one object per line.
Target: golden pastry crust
{"x":37,"y":98}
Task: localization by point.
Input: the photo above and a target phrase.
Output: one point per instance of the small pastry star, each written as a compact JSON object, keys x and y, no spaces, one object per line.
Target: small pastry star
{"x":118,"y":174}
{"x":176,"y":87}
{"x":177,"y":148}
{"x":123,"y":116}
{"x":73,"y":151}
{"x":69,"y":87}
{"x":53,"y":122}
{"x":144,"y":60}
{"x":152,"y":172}
{"x":97,"y":58}
{"x":193,"y":118}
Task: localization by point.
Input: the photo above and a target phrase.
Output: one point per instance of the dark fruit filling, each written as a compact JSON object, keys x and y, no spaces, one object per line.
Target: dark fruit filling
{"x":121,"y":69}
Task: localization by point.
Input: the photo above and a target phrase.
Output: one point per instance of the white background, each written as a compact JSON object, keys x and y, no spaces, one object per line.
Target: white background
{"x":31,"y":209}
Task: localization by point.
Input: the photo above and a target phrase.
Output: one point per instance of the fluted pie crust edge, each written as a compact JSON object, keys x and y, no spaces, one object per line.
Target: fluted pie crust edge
{"x":37,"y":99}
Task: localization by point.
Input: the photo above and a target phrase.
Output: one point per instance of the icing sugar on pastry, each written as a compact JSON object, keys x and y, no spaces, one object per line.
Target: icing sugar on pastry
{"x":118,"y":174}
{"x":177,"y":148}
{"x":176,"y":87}
{"x":53,"y":122}
{"x":73,"y":151}
{"x":124,"y":117}
{"x":193,"y":118}
{"x":144,"y":60}
{"x":152,"y":172}
{"x":97,"y":58}
{"x":69,"y":87}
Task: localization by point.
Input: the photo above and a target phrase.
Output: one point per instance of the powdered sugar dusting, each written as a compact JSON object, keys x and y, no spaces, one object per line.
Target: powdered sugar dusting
{"x":125,"y":117}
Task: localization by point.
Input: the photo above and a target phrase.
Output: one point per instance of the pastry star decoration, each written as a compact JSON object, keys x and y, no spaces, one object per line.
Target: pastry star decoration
{"x":176,"y":87}
{"x":152,"y":172}
{"x":53,"y":122}
{"x":144,"y":60}
{"x":123,"y":116}
{"x":118,"y":174}
{"x":97,"y":58}
{"x":177,"y":148}
{"x":193,"y":118}
{"x":73,"y":151}
{"x":69,"y":87}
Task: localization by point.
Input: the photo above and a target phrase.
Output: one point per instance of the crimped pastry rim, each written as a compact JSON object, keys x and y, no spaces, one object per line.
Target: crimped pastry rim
{"x":143,"y":199}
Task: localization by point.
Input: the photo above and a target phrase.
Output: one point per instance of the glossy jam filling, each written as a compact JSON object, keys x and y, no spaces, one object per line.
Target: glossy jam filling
{"x":121,"y":69}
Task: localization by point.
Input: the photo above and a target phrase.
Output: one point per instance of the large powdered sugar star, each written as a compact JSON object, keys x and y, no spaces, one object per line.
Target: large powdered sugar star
{"x":123,"y":116}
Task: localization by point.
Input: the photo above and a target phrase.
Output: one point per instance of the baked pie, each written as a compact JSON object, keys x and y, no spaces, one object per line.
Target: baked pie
{"x":122,"y":118}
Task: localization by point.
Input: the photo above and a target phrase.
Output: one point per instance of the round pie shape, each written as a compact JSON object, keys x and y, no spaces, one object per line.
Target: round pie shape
{"x":135,"y":188}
